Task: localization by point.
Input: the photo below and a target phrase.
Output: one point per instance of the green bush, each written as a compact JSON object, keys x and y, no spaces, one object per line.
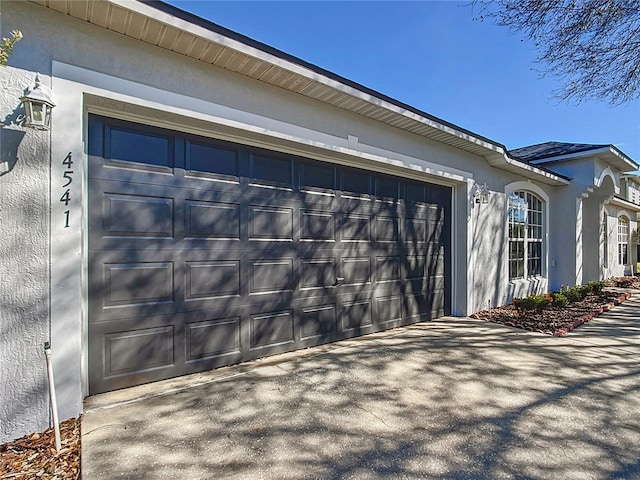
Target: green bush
{"x":579,"y":292}
{"x":573,"y":294}
{"x":533,"y":302}
{"x":584,"y":291}
{"x":559,"y":300}
{"x":596,"y":287}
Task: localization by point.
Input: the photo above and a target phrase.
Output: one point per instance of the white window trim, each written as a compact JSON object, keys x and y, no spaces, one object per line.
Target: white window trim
{"x":530,"y":187}
{"x":627,"y":222}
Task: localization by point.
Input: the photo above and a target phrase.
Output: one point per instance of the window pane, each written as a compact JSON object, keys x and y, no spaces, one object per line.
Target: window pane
{"x":355,"y":182}
{"x":526,"y":220}
{"x":534,"y":265}
{"x":516,"y":269}
{"x":414,"y":192}
{"x":438,"y":195}
{"x":271,"y":170}
{"x":128,"y":146}
{"x":516,"y":250}
{"x":387,"y":188}
{"x":623,"y":240}
{"x":318,"y":176}
{"x":205,"y":158}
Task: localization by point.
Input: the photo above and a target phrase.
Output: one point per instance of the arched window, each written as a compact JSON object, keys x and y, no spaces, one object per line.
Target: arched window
{"x":623,"y":241}
{"x":526,"y":237}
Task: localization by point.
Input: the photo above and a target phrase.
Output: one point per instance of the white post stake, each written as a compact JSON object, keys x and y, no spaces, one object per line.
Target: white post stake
{"x":52,"y":395}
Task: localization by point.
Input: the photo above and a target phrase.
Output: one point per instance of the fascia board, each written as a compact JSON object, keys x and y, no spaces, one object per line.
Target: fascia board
{"x":220,"y":39}
{"x":599,"y":152}
{"x":620,"y":202}
{"x":504,"y":161}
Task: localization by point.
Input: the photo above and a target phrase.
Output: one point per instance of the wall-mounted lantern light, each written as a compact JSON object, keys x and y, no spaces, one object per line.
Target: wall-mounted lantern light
{"x":481,"y":193}
{"x":37,"y":106}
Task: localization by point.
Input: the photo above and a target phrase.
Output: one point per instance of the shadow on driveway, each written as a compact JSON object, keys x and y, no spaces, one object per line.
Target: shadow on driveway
{"x":454,"y":399}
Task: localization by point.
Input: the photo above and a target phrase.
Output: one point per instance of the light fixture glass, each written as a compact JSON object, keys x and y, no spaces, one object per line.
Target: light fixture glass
{"x":37,"y":106}
{"x":481,"y":193}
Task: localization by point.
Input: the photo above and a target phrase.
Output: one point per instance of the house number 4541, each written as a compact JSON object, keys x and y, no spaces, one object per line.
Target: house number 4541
{"x":67,"y":176}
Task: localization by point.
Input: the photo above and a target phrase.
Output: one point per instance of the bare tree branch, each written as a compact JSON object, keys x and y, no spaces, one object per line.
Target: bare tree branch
{"x":591,"y":46}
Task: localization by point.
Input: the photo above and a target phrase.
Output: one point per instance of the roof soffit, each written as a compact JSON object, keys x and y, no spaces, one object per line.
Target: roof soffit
{"x":147,"y":23}
{"x":608,"y":154}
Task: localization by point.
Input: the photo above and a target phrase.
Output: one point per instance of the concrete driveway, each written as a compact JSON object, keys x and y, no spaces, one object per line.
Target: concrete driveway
{"x":454,"y":398}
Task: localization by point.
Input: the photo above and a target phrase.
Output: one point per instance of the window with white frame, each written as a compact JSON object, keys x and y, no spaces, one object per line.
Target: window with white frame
{"x":526,"y":237}
{"x":623,"y":241}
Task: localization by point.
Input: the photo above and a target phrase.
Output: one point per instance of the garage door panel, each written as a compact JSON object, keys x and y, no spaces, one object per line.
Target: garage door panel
{"x":212,"y":279}
{"x":271,"y":276}
{"x":212,"y":338}
{"x":267,"y":223}
{"x":357,"y":316}
{"x":356,"y":271}
{"x":271,"y":329}
{"x":415,"y":231}
{"x":317,"y":273}
{"x":134,"y":351}
{"x":387,"y":229}
{"x":227,"y":253}
{"x":318,"y":322}
{"x":355,"y":227}
{"x":389,"y":309}
{"x":137,"y":215}
{"x":128,"y":284}
{"x":417,"y":307}
{"x":388,"y":269}
{"x":212,"y":220}
{"x":415,"y":267}
{"x":436,"y":267}
{"x":317,"y":226}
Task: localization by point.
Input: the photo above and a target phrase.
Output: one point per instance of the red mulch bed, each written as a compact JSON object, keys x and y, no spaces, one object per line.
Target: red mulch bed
{"x":559,"y":321}
{"x":34,"y":456}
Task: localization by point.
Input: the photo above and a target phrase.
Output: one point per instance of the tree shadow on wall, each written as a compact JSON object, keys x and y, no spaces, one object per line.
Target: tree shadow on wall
{"x":10,"y":141}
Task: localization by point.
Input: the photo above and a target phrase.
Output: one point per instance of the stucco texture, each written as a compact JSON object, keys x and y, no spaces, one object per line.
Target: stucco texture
{"x":24,"y":259}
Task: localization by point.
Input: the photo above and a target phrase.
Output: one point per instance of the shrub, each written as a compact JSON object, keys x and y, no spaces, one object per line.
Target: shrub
{"x":584,"y":290}
{"x":532,"y":302}
{"x":579,"y":292}
{"x":559,"y":300}
{"x":596,"y":287}
{"x":573,"y":294}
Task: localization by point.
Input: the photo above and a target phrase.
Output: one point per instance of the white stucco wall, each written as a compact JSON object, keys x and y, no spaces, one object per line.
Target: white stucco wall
{"x":24,"y":260}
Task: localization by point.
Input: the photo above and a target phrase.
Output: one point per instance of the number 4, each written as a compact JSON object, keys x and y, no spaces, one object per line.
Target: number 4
{"x":65,"y":197}
{"x":67,"y":160}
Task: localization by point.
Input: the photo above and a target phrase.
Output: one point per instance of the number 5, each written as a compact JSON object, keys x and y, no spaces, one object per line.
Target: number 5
{"x":67,"y":175}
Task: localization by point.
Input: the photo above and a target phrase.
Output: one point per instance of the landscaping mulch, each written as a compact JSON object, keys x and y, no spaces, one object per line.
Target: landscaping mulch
{"x":559,"y":321}
{"x":34,"y":456}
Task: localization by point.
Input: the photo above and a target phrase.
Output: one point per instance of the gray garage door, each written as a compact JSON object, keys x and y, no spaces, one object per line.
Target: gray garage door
{"x":206,"y":253}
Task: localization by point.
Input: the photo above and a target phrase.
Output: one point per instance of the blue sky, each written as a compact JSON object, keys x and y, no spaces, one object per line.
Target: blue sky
{"x":434,"y":56}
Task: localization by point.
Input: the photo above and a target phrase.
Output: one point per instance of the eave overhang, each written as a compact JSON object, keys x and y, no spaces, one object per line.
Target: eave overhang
{"x":165,"y":26}
{"x":609,"y":154}
{"x":623,"y":203}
